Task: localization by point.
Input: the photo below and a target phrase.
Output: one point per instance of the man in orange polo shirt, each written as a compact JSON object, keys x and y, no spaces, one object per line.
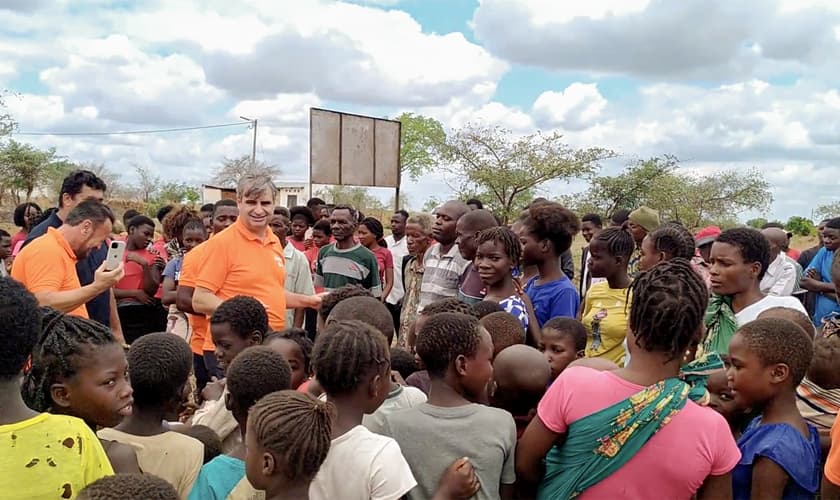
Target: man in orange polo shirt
{"x":223,"y":215}
{"x":47,"y":266}
{"x":247,"y":259}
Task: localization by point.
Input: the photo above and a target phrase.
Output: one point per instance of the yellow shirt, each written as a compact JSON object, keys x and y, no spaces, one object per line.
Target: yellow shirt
{"x":605,"y":312}
{"x":49,"y":456}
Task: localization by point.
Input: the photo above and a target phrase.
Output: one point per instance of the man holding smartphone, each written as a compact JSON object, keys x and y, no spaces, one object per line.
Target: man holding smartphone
{"x":47,"y":266}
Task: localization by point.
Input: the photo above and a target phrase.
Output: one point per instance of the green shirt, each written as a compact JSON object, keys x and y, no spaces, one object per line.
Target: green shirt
{"x":354,"y":266}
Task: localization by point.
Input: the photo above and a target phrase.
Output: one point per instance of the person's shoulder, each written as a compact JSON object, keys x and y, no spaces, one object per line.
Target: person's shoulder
{"x":362,"y":438}
{"x":414,"y":394}
{"x":703,"y":418}
{"x":787,"y":301}
{"x":497,"y":416}
{"x":182,"y":441}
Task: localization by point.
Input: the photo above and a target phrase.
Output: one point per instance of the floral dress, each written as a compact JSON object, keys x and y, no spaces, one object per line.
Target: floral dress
{"x":412,"y":280}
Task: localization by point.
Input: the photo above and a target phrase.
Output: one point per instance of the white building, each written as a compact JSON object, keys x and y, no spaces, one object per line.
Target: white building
{"x":289,"y":193}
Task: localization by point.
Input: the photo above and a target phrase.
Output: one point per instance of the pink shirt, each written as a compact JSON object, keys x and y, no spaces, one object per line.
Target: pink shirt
{"x":674,"y":463}
{"x":385,"y":261}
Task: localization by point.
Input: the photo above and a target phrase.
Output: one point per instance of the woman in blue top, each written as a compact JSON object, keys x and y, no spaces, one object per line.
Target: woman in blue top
{"x":818,"y":275}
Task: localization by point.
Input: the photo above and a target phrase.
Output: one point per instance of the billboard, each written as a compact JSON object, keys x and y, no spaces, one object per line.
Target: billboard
{"x":353,"y":150}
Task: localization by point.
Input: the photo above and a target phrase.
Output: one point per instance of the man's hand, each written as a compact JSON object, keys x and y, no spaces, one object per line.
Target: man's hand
{"x":107,"y":279}
{"x":213,"y":390}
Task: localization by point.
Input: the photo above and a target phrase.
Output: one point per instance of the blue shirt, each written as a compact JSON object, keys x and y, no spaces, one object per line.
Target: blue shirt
{"x":553,"y":299}
{"x":173,"y":268}
{"x":98,"y":308}
{"x":788,"y":448}
{"x":824,"y":306}
{"x":218,"y":478}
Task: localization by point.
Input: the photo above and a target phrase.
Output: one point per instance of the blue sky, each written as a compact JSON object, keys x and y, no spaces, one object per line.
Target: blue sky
{"x":721,"y":85}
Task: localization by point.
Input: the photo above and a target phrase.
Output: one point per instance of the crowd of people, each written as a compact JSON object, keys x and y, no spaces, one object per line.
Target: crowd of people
{"x":246,"y":350}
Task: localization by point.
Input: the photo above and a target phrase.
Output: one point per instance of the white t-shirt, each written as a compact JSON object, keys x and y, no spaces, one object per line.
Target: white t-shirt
{"x":751,"y":312}
{"x":398,"y":399}
{"x":398,"y":249}
{"x":362,"y":465}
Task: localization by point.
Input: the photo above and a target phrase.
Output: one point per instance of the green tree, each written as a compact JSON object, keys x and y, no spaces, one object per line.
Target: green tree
{"x":420,"y":144}
{"x":694,"y":200}
{"x":233,"y":169}
{"x":7,"y":122}
{"x":757,"y":223}
{"x":357,"y":197}
{"x":506,"y":170}
{"x":800,"y":225}
{"x":24,"y":168}
{"x":828,"y":211}
{"x":431,"y":204}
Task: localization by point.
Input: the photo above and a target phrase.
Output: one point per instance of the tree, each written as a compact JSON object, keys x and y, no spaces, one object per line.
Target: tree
{"x":149,"y":184}
{"x":233,"y":169}
{"x":431,"y":204}
{"x":506,"y":170}
{"x":24,"y":168}
{"x":800,"y":225}
{"x":757,"y":223}
{"x":422,"y":138}
{"x":693,"y":200}
{"x":357,"y":197}
{"x":7,"y":122}
{"x":829,"y":211}
{"x":60,"y":169}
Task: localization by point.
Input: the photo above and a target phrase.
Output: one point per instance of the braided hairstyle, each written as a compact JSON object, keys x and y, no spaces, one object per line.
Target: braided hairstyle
{"x":444,"y":337}
{"x":375,"y":227}
{"x":448,"y":304}
{"x":551,"y":221}
{"x":669,"y":302}
{"x":65,"y":340}
{"x":20,"y":321}
{"x":504,"y":236}
{"x":345,"y":353}
{"x":299,"y":337}
{"x":618,"y":241}
{"x":674,"y":240}
{"x":296,"y":428}
{"x":173,"y":223}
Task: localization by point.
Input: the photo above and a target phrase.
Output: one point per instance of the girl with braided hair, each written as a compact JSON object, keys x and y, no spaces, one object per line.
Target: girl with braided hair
{"x":635,"y":432}
{"x":79,"y":369}
{"x":371,"y":235}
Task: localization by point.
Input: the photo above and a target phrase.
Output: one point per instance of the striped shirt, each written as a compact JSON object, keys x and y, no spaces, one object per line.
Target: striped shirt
{"x":357,"y":265}
{"x":442,"y":274}
{"x":817,"y":405}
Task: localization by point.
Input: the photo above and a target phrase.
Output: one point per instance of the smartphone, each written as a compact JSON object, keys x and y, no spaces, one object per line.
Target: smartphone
{"x":116,"y":251}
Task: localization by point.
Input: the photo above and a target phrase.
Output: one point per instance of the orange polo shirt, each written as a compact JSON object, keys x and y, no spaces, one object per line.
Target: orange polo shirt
{"x":239,"y":263}
{"x":193,"y":260}
{"x":48,"y":264}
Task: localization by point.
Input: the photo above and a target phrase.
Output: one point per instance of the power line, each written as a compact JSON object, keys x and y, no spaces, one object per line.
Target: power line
{"x":131,"y":132}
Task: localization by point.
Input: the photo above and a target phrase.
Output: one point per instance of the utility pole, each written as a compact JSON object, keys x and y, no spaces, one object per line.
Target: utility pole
{"x":254,"y":145}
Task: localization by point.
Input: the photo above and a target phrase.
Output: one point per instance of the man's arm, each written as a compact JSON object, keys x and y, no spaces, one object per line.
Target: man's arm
{"x":184,"y":298}
{"x":69,"y":300}
{"x":295,"y":300}
{"x":205,"y":302}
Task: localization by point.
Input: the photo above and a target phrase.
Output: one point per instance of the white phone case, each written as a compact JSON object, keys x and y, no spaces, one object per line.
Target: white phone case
{"x":116,"y":250}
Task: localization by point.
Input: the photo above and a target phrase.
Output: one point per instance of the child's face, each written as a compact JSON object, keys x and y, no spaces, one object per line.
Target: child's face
{"x":5,"y":247}
{"x":478,"y":369}
{"x":290,"y":350}
{"x":831,"y":238}
{"x":532,"y":247}
{"x":192,"y":238}
{"x":228,"y":343}
{"x":601,"y":263}
{"x":722,"y":398}
{"x":559,"y":350}
{"x":319,"y":238}
{"x":752,"y":382}
{"x":493,"y":263}
{"x":299,"y":227}
{"x":99,"y":393}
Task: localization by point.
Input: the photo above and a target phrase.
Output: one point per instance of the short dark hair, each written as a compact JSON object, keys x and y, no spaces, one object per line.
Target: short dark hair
{"x":353,"y":213}
{"x":20,"y":325}
{"x":299,"y":337}
{"x":122,"y":486}
{"x":223,"y":203}
{"x":207,"y":207}
{"x":403,"y":362}
{"x":163,"y":212}
{"x":476,"y":202}
{"x":553,"y":222}
{"x":159,"y":366}
{"x":76,"y":181}
{"x":620,"y":216}
{"x":751,"y":243}
{"x":323,"y":226}
{"x":333,"y":298}
{"x":302,"y":212}
{"x":20,"y":212}
{"x":776,"y":340}
{"x":505,"y":330}
{"x":129,"y":214}
{"x":92,"y":210}
{"x":402,"y":212}
{"x":367,"y":310}
{"x":571,"y":327}
{"x":447,"y":305}
{"x":314,"y":202}
{"x":345,"y":352}
{"x":139,"y":220}
{"x":245,"y":315}
{"x":483,"y":308}
{"x":283,"y":211}
{"x":4,"y":234}
{"x":256,"y":372}
{"x":443,"y":338}
{"x":595,"y":219}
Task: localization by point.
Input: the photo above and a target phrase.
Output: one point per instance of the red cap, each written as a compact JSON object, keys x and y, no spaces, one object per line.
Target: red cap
{"x":706,"y":235}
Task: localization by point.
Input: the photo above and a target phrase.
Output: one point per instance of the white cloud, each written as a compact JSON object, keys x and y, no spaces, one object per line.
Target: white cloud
{"x":575,"y":108}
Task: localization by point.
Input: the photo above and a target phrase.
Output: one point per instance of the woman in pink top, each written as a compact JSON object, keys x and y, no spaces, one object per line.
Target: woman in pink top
{"x":370,"y":234}
{"x":635,"y":432}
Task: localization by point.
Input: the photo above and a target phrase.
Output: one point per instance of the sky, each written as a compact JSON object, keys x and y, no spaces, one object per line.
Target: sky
{"x":719,"y":84}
